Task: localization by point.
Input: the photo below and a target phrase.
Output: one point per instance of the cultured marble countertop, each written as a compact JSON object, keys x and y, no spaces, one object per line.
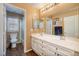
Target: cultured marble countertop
{"x":67,"y":42}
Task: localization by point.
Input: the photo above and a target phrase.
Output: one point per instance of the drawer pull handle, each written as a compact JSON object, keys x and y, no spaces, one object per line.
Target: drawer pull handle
{"x":42,"y":42}
{"x":55,"y":53}
{"x":56,"y":48}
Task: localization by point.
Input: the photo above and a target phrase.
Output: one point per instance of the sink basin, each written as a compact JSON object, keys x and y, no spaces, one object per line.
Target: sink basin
{"x":57,"y":37}
{"x":47,"y":36}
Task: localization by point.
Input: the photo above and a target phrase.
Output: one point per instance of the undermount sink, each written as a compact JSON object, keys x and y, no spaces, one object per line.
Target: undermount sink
{"x":56,"y":37}
{"x":46,"y":36}
{"x":43,"y":35}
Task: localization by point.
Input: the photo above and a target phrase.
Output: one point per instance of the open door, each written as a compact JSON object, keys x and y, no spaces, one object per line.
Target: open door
{"x":15,"y":9}
{"x":2,"y":30}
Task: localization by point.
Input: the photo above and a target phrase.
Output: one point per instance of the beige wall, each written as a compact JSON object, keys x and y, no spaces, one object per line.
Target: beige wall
{"x":30,"y":11}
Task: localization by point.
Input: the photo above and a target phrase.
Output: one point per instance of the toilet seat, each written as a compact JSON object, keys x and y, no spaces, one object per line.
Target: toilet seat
{"x":13,"y":40}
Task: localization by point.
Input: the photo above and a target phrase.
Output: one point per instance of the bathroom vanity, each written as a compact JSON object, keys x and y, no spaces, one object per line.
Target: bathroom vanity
{"x":52,"y":45}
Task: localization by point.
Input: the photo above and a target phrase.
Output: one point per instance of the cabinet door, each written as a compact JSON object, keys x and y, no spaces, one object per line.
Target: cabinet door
{"x":41,"y":51}
{"x":33,"y":43}
{"x":64,"y":51}
{"x":41,"y":48}
{"x":50,"y":49}
{"x":37,"y":46}
{"x":48,"y":52}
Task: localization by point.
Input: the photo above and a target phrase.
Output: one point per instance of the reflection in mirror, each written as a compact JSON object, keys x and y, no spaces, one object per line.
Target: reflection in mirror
{"x":41,"y":24}
{"x":49,"y":26}
{"x":71,"y":26}
{"x":38,"y":25}
{"x":35,"y":24}
{"x":57,"y":26}
{"x":65,"y":24}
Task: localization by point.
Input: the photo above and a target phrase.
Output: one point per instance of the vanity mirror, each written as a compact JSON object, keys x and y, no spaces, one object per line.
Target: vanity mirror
{"x":65,"y":24}
{"x":35,"y":24}
{"x":38,"y":25}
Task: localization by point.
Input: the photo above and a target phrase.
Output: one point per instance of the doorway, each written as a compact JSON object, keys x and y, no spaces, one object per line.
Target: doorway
{"x":14,"y":13}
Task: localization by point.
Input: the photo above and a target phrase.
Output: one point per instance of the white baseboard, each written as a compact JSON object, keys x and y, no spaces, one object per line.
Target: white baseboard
{"x":28,"y":50}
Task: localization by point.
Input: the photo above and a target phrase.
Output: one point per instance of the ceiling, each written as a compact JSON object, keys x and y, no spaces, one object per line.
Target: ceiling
{"x":38,"y":5}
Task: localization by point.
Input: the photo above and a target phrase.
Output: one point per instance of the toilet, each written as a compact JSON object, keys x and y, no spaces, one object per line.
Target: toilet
{"x":13,"y":40}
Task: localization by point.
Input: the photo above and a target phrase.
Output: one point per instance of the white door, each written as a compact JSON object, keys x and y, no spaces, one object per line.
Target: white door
{"x":2,"y":29}
{"x":69,"y":26}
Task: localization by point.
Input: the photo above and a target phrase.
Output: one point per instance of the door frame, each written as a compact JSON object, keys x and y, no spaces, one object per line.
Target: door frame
{"x":25,"y":26}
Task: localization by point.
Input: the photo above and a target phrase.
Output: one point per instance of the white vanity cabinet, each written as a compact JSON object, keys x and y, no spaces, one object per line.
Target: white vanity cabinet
{"x":44,"y":48}
{"x":64,"y":51}
{"x":50,"y":49}
{"x":37,"y":46}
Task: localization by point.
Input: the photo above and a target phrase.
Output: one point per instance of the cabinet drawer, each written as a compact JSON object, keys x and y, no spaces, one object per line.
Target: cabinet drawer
{"x":49,"y":53}
{"x":38,"y":50}
{"x":41,"y":50}
{"x":37,"y":41}
{"x":65,"y":51}
{"x":50,"y":46}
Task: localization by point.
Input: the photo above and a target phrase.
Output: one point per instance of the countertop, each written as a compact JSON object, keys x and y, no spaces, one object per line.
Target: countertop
{"x":67,"y":42}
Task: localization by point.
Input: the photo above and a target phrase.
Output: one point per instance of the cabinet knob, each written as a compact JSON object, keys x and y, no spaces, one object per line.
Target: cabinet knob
{"x":42,"y":53}
{"x":42,"y":46}
{"x":55,"y":53}
{"x":56,"y":48}
{"x":58,"y":54}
